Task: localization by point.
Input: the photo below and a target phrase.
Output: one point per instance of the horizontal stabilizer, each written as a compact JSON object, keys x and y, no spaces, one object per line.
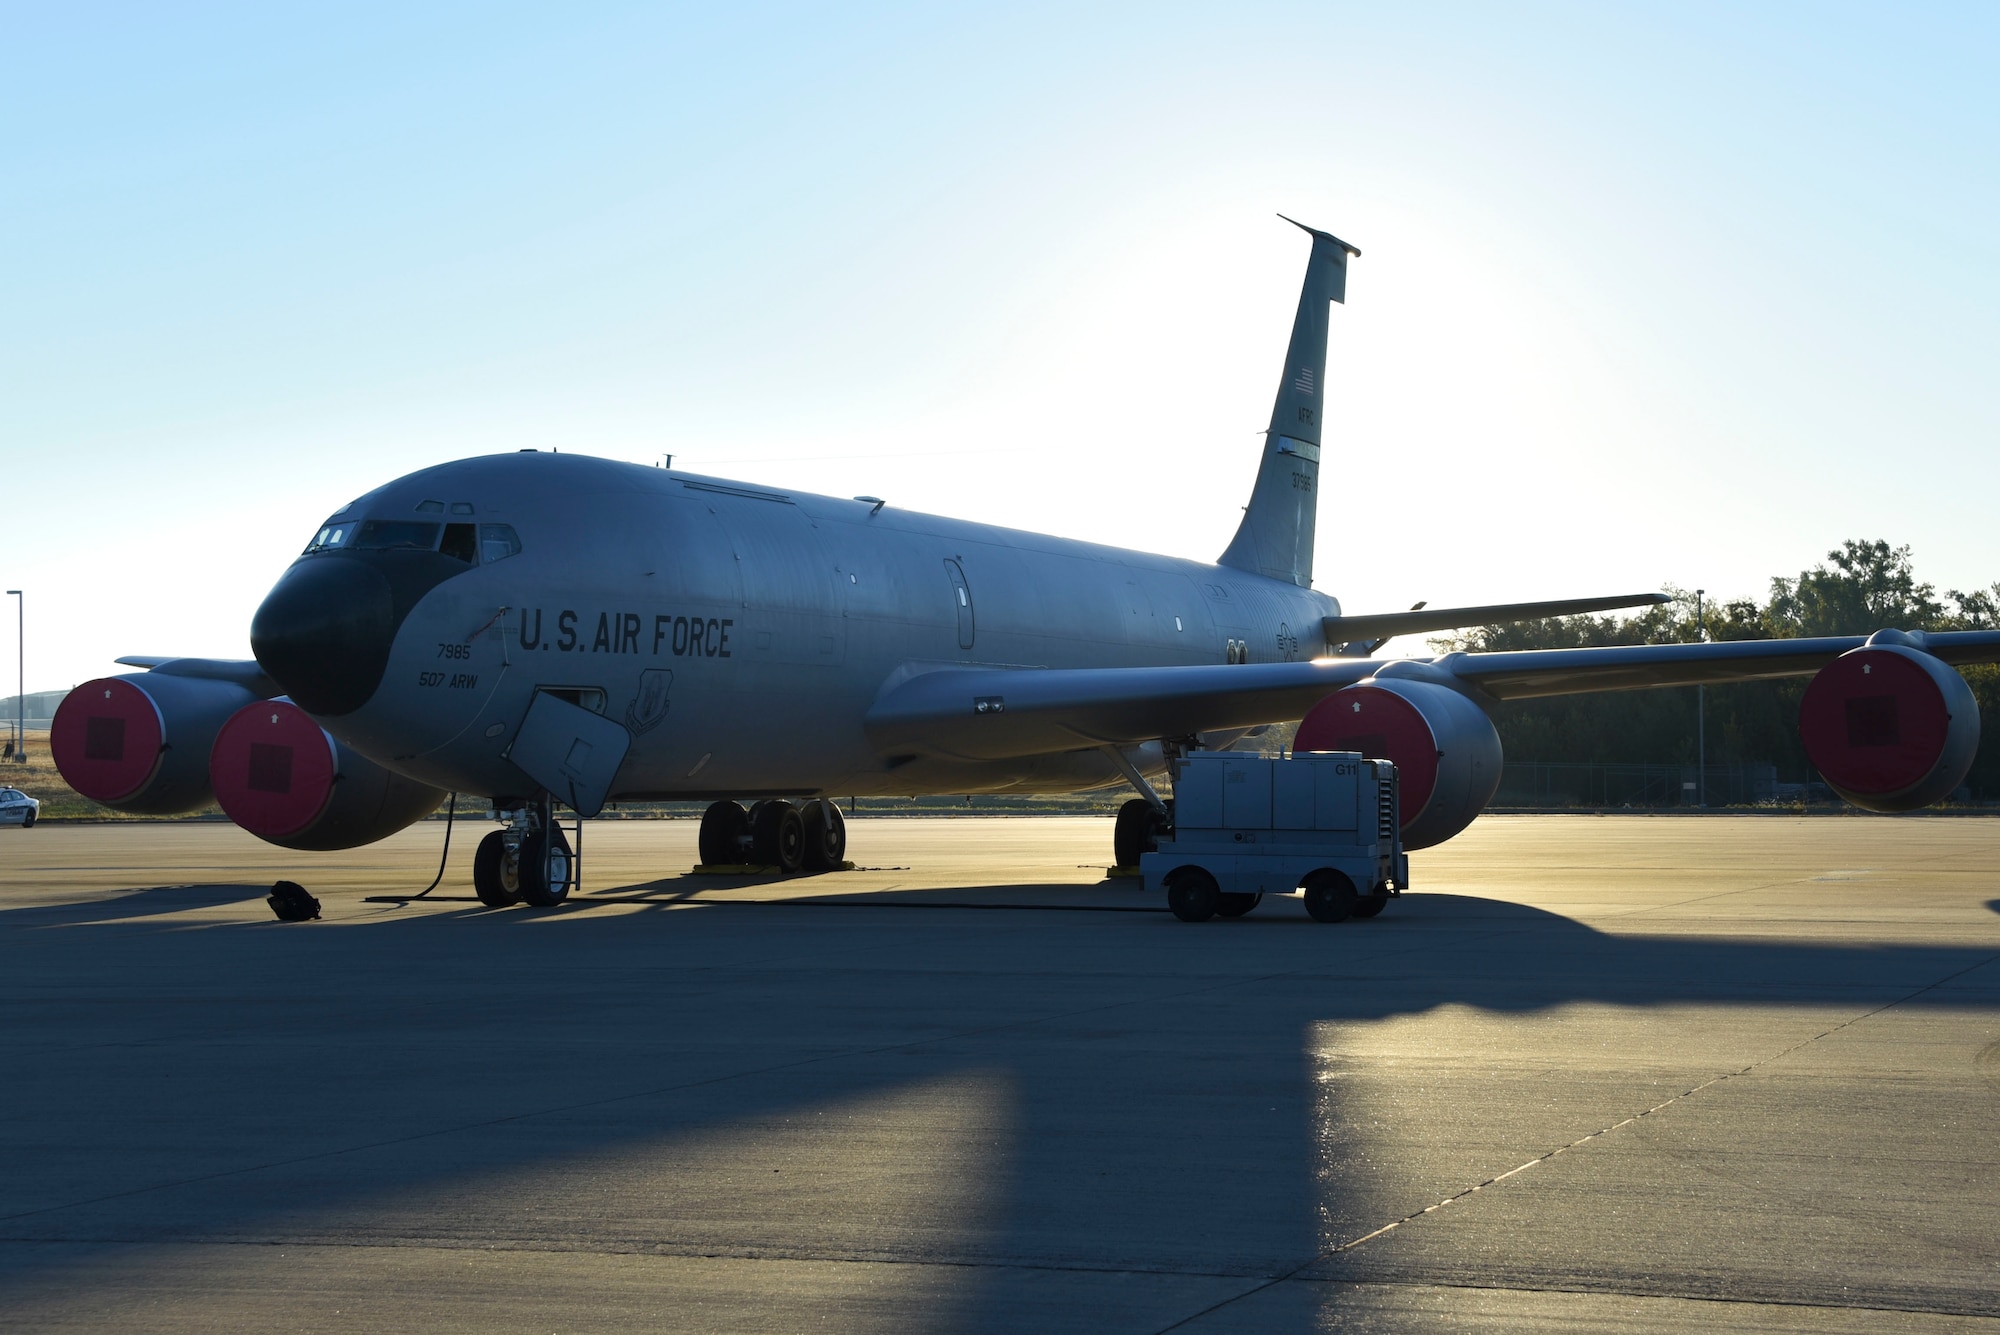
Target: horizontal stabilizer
{"x":245,"y":672}
{"x":1388,"y":625}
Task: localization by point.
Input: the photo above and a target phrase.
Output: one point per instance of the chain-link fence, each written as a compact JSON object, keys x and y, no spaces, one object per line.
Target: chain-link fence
{"x":1546,"y":784}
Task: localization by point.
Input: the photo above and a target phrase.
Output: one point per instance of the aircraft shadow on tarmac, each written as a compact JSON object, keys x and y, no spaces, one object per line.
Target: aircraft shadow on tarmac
{"x":140,"y":902}
{"x":1132,"y":1093}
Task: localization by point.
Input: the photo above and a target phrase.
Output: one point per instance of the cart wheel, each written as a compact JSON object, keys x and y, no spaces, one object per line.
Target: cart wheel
{"x":1193,"y":894}
{"x":1367,"y":906}
{"x":1330,"y":896}
{"x":1236,"y":905}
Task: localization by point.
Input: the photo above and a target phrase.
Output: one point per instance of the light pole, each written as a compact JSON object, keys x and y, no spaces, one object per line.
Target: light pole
{"x":21,"y":679}
{"x":1700,"y":714}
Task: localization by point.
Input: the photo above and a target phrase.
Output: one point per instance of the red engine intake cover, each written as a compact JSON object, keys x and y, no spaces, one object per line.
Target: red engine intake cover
{"x":1889,"y":728}
{"x":1382,"y":726}
{"x":106,"y":739}
{"x":273,"y":769}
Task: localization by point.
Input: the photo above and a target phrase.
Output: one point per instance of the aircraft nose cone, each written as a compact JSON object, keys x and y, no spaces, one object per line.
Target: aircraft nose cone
{"x":324,"y":633}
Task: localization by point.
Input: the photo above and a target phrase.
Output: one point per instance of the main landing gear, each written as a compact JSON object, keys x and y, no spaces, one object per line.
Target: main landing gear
{"x":773,"y":833}
{"x":1137,"y":831}
{"x":529,"y":862}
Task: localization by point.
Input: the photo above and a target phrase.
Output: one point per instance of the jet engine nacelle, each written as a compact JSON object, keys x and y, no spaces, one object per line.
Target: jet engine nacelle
{"x":1889,"y":727}
{"x":288,"y":781}
{"x":1446,"y":750}
{"x":140,"y":743}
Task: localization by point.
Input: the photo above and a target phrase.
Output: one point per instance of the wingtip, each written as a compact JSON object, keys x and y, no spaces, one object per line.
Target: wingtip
{"x":1314,"y":231}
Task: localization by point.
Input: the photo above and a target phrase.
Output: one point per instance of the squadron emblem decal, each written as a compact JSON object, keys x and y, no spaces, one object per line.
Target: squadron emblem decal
{"x":649,"y":706}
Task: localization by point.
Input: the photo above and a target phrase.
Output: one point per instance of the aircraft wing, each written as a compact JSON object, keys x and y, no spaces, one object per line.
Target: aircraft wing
{"x":1525,"y":673}
{"x":1001,"y":713}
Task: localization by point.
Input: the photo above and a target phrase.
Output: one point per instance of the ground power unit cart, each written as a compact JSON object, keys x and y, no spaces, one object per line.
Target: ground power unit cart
{"x":1322,"y":822}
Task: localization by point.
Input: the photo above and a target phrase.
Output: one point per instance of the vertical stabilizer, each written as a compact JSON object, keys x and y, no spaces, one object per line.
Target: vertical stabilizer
{"x":1275,"y":538}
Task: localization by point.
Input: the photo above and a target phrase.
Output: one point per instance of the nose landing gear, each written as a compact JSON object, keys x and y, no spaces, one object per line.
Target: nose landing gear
{"x":529,"y":862}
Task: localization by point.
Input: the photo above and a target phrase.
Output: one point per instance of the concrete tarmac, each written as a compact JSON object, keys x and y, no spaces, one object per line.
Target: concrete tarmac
{"x":1595,"y":1073}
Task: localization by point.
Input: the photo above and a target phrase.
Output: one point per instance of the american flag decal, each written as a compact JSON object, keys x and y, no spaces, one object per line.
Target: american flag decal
{"x":1304,"y":383}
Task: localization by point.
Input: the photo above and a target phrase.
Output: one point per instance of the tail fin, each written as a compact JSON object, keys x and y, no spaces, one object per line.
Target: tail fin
{"x":1275,"y":538}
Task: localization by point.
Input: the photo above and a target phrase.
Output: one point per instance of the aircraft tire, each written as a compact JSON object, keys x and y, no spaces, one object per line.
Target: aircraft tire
{"x":1131,"y":833}
{"x":1193,"y":894}
{"x":1368,"y":906}
{"x":1330,"y":896}
{"x":1236,"y":905}
{"x":723,"y":826}
{"x":825,"y":835}
{"x":777,"y":836}
{"x":495,"y":879}
{"x":546,"y":874}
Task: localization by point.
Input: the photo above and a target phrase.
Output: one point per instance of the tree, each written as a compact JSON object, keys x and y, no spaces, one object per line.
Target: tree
{"x":1871,"y":586}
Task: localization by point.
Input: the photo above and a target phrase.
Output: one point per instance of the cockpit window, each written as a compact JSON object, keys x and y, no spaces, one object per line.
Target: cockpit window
{"x":333,"y":535}
{"x":460,"y":543}
{"x":497,"y":542}
{"x":391,"y":534}
{"x":470,"y":543}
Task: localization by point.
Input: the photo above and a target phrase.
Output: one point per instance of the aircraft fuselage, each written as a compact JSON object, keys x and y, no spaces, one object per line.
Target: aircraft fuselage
{"x":738,"y":633}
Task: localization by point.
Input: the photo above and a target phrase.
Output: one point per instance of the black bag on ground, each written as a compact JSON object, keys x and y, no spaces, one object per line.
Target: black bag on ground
{"x":291,"y":902}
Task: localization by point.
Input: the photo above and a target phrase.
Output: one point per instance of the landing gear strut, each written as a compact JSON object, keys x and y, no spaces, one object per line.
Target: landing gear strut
{"x":1144,"y":819}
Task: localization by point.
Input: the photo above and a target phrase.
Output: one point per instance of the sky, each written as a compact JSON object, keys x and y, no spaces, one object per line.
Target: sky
{"x":1649,"y":294}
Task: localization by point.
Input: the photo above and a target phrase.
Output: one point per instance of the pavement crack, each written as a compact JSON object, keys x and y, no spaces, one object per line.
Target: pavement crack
{"x":1560,"y":1150}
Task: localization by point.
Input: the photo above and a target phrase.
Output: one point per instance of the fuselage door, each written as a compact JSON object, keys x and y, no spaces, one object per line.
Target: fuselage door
{"x":961,"y":596}
{"x":569,"y":750}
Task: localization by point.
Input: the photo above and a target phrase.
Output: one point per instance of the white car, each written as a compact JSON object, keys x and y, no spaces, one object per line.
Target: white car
{"x":17,"y":808}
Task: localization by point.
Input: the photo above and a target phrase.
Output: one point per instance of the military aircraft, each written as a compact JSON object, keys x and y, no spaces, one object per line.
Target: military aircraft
{"x":554,"y":631}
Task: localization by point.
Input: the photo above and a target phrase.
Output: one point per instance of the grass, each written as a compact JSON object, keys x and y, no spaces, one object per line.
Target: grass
{"x":39,"y":778}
